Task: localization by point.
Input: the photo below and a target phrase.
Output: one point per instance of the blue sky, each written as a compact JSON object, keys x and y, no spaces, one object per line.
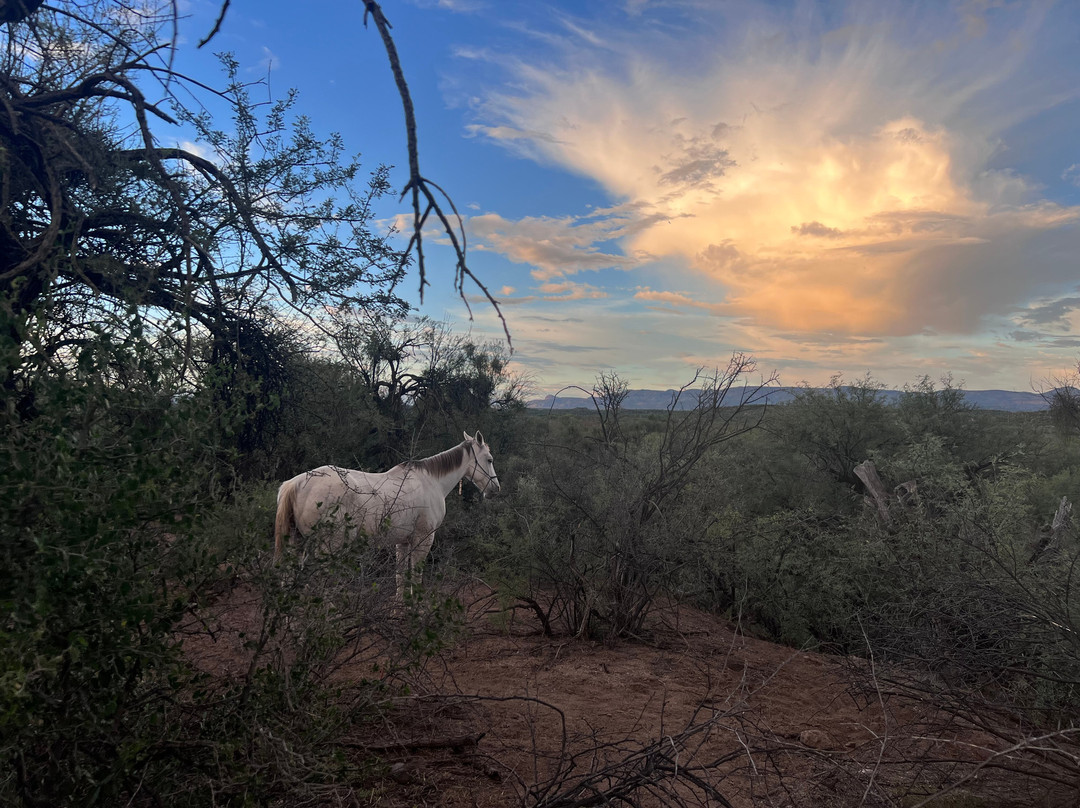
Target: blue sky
{"x":890,"y":187}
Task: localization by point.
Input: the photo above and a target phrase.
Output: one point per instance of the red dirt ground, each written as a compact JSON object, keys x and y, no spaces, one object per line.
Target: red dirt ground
{"x":698,"y":714}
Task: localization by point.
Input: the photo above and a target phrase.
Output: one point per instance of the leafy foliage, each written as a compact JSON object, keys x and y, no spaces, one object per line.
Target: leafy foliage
{"x":841,"y":426}
{"x":153,"y":352}
{"x":153,"y":377}
{"x":96,"y":491}
{"x":968,"y":583}
{"x":608,"y":518}
{"x":210,"y":253}
{"x":124,"y":529}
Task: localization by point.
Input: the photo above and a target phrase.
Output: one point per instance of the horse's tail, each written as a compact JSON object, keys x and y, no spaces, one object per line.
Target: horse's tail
{"x":286,"y":502}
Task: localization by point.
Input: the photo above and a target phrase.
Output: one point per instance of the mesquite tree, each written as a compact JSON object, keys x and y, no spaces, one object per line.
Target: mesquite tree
{"x":150,"y":297}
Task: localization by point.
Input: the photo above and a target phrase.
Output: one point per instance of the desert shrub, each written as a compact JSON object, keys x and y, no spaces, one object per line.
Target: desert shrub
{"x":606,"y":518}
{"x":949,"y":584}
{"x":924,"y":409}
{"x":324,"y":416}
{"x":126,"y":535}
{"x":974,"y":603}
{"x":476,"y":540}
{"x":799,"y":577}
{"x":838,"y":427}
{"x":964,"y":596}
{"x":97,"y":490}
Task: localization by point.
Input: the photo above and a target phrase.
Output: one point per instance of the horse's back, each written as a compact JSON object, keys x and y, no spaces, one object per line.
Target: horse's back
{"x":376,"y":503}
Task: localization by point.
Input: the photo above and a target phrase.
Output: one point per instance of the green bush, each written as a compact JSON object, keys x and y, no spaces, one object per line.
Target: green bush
{"x":126,"y":532}
{"x":99,"y":492}
{"x":608,"y":515}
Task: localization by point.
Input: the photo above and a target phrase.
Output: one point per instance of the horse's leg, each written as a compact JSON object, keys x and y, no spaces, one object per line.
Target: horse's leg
{"x":422,"y":548}
{"x":410,"y":555}
{"x":419,"y":549}
{"x":401,"y":568}
{"x":300,"y":542}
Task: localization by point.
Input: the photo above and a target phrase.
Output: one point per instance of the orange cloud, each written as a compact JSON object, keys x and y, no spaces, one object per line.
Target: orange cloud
{"x":677,"y":299}
{"x":829,"y":187}
{"x":554,"y":247}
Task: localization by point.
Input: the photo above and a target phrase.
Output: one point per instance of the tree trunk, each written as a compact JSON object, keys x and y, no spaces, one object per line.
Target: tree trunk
{"x":1058,"y":529}
{"x":866,"y":472}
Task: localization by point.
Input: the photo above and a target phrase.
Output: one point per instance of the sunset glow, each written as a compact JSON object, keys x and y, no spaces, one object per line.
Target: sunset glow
{"x":832,"y":187}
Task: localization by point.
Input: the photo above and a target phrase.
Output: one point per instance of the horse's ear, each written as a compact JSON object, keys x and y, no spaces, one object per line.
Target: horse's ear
{"x":479,"y":437}
{"x":467,"y":436}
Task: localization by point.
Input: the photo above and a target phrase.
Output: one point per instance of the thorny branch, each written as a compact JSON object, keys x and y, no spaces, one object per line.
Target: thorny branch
{"x":217,"y":23}
{"x":419,"y":188}
{"x":428,"y":198}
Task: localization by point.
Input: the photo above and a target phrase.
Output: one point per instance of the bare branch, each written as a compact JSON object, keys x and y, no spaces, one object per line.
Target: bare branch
{"x":217,"y":23}
{"x":417,"y":186}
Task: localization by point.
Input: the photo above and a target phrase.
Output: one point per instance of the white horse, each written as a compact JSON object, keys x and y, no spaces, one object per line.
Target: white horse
{"x":403,"y":507}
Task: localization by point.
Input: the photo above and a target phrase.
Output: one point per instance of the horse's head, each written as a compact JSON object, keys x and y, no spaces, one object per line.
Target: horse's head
{"x":482,"y":469}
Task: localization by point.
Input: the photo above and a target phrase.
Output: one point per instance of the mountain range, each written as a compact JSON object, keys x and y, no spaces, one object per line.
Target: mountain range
{"x":1003,"y":400}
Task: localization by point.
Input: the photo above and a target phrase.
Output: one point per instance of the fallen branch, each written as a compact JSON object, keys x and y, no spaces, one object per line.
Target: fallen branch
{"x":455,"y":742}
{"x":866,"y":472}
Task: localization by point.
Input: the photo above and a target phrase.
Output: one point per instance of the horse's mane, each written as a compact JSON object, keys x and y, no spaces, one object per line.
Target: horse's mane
{"x":440,"y":464}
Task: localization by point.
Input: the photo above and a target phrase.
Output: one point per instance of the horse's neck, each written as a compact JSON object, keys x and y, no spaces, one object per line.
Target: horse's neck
{"x":449,"y":479}
{"x":448,"y":482}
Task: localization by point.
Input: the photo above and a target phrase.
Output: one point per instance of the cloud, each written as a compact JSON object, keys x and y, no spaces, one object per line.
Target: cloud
{"x":695,"y":163}
{"x":553,"y":247}
{"x":269,"y":61}
{"x":816,"y":229}
{"x":826,"y":174}
{"x":1052,"y":313}
{"x":1021,"y":335}
{"x":457,"y":6}
{"x":198,"y":149}
{"x":676,"y":299}
{"x":562,"y":291}
{"x":506,"y":133}
{"x":568,"y":290}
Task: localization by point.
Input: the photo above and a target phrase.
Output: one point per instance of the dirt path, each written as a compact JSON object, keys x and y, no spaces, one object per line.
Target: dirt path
{"x":694,"y":714}
{"x":757,"y":723}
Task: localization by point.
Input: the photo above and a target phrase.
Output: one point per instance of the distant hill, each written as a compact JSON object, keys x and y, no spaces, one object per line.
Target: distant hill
{"x":1002,"y":400}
